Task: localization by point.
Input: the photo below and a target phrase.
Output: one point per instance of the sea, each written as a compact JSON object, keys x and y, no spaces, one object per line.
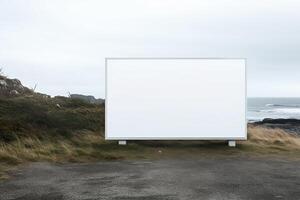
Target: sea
{"x":260,"y":108}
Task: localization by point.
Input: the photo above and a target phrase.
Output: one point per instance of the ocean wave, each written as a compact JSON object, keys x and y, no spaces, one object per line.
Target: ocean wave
{"x":282,"y":105}
{"x":283,"y":110}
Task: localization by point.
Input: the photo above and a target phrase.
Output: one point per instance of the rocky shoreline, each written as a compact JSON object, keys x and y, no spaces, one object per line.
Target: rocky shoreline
{"x":290,"y":125}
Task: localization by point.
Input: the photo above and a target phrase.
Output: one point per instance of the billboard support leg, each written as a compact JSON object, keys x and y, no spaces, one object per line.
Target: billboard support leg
{"x":122,"y":142}
{"x":232,"y":143}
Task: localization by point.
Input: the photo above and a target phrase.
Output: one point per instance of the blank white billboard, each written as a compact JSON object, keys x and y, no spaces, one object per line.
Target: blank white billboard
{"x":175,"y":99}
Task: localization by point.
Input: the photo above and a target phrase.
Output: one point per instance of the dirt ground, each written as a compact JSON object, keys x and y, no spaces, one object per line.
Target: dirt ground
{"x":197,"y":178}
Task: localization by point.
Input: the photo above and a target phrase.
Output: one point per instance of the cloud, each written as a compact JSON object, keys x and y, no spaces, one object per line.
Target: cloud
{"x":61,"y":45}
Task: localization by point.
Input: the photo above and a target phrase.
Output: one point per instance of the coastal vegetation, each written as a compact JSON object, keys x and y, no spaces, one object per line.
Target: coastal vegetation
{"x":36,"y":127}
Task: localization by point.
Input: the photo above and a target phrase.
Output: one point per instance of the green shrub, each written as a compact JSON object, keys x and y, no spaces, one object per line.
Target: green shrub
{"x":36,"y":115}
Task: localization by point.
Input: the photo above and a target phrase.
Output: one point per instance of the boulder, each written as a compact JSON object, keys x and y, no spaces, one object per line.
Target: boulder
{"x":3,"y":83}
{"x":87,"y":98}
{"x":12,"y":87}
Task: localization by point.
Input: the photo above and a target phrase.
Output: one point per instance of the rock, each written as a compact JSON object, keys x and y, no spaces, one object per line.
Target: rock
{"x":16,"y":82}
{"x":12,"y":87}
{"x":88,"y":99}
{"x":3,"y":83}
{"x":290,"y":125}
{"x":45,"y":96}
{"x":280,"y":121}
{"x":14,"y":92}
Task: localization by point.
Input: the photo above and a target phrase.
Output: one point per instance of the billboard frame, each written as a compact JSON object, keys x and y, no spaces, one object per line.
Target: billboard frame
{"x":122,"y":140}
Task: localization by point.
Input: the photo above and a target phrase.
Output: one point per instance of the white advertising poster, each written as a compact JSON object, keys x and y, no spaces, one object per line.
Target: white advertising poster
{"x":175,"y":99}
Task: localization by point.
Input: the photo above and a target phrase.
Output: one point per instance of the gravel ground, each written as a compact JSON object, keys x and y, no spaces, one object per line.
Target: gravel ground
{"x":201,"y":178}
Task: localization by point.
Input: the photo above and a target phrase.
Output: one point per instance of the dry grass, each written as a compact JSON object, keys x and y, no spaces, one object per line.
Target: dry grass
{"x":88,"y":146}
{"x":81,"y":146}
{"x":267,"y":137}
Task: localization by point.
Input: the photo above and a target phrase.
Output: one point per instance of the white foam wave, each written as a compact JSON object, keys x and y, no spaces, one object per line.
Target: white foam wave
{"x":283,"y":110}
{"x":269,"y":105}
{"x":282,"y":105}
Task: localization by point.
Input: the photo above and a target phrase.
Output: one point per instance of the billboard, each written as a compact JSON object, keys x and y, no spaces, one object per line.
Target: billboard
{"x":175,"y":99}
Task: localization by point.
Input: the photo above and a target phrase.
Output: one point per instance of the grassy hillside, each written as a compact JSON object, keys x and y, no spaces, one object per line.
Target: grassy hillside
{"x":35,"y":115}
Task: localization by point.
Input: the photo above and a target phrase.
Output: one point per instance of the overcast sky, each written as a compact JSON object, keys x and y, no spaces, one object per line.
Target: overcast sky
{"x":61,"y":45}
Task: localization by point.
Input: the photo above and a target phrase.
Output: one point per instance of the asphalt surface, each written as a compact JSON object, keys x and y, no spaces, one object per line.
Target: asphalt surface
{"x":203,"y":178}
